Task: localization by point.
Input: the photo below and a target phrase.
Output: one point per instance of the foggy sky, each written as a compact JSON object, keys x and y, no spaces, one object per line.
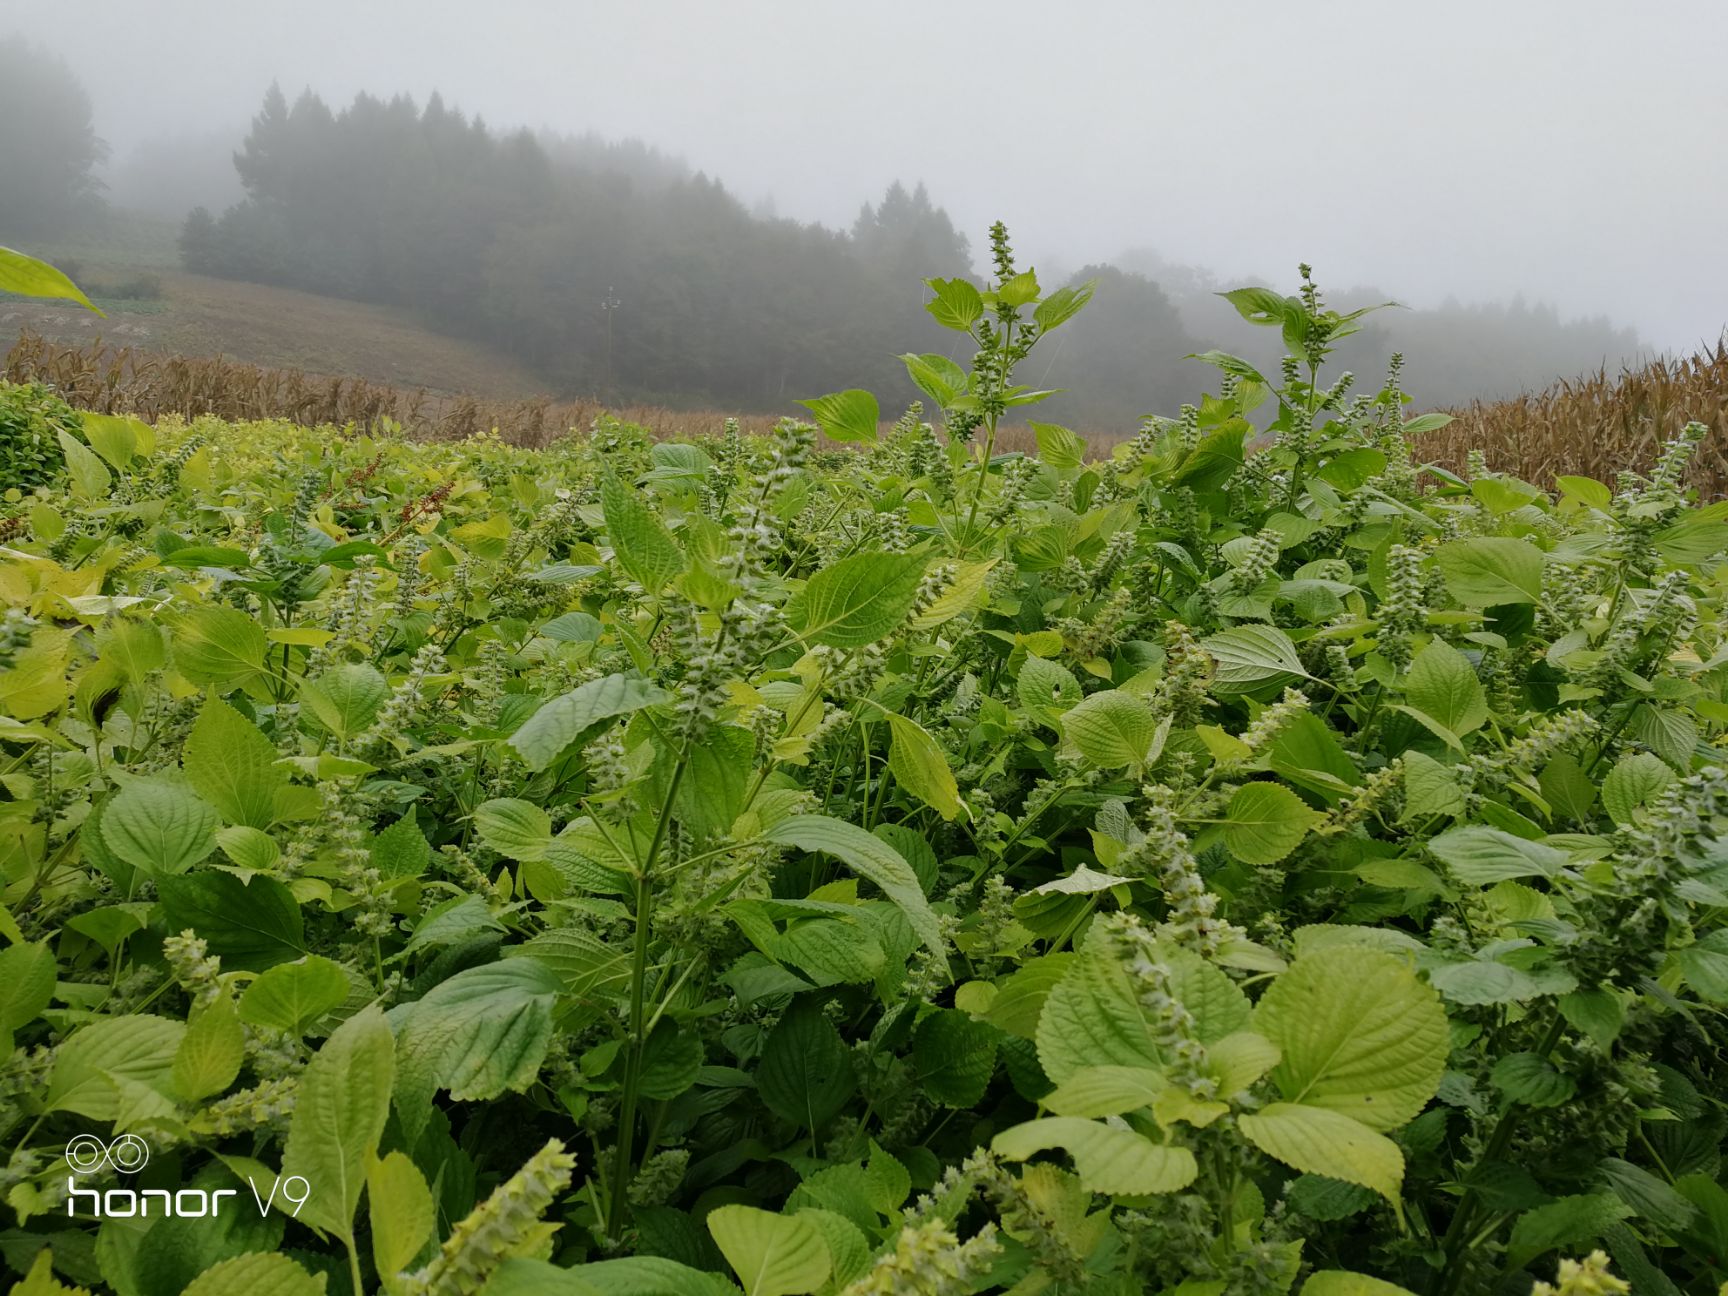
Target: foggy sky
{"x":1572,"y":150}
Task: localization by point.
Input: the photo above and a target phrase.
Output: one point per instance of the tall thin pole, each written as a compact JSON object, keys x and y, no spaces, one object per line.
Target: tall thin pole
{"x":610,"y":303}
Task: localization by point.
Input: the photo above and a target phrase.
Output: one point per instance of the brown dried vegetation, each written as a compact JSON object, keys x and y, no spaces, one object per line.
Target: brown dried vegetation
{"x":1595,"y":426}
{"x":111,"y":380}
{"x":1599,"y":425}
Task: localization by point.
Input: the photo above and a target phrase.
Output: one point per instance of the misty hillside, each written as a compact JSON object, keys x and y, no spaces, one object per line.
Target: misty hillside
{"x":197,"y":315}
{"x":611,"y":268}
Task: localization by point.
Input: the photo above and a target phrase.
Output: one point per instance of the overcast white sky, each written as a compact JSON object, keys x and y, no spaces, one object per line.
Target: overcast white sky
{"x":1574,"y":150}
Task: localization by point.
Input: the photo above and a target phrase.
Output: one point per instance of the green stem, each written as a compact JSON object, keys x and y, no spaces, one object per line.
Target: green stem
{"x":1032,"y":818}
{"x":983,"y":476}
{"x":989,"y":449}
{"x":1608,"y":743}
{"x":621,"y":1161}
{"x":353,"y":1262}
{"x":1453,"y":1244}
{"x":881,"y":798}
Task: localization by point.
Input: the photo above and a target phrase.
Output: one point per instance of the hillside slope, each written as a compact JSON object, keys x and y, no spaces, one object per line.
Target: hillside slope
{"x":277,"y":327}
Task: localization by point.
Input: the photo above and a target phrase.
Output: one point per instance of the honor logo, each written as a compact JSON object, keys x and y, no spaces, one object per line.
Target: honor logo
{"x":129,"y":1154}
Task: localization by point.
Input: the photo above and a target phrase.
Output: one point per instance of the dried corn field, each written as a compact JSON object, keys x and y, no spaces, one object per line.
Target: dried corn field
{"x":1596,"y":426}
{"x":1601,"y":424}
{"x":111,"y":379}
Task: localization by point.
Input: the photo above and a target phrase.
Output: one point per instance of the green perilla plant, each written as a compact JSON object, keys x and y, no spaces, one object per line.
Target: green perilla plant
{"x":1242,"y":860}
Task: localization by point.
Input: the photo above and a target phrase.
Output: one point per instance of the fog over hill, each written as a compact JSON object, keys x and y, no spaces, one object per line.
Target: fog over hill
{"x":1430,"y":159}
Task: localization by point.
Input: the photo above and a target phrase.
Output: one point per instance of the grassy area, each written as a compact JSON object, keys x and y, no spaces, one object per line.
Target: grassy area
{"x":126,"y":242}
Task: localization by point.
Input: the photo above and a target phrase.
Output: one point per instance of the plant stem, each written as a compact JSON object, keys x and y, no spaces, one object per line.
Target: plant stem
{"x":621,"y":1160}
{"x":1457,"y":1235}
{"x":353,"y":1262}
{"x":989,"y":451}
{"x":983,"y":476}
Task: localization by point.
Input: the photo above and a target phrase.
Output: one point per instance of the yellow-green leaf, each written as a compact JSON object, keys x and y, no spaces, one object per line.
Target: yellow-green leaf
{"x":1322,"y":1142}
{"x":1360,"y":1034}
{"x":921,"y":768}
{"x":1109,"y":1160}
{"x":773,"y":1255}
{"x":210,"y":1053}
{"x":258,"y":1273}
{"x":339,"y":1112}
{"x":400,"y":1206}
{"x":28,"y":277}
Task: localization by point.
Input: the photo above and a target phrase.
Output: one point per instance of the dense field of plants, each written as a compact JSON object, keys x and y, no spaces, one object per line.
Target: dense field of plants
{"x":661,"y":869}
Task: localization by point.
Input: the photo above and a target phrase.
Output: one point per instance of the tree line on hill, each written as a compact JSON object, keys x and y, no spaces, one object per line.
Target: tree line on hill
{"x":616,"y":270}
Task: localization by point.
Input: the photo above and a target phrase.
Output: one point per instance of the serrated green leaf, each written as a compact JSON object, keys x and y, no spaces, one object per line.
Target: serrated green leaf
{"x":1568,"y":1222}
{"x":644,"y":548}
{"x":1430,"y":788}
{"x":294,"y":996}
{"x":1106,"y":1091}
{"x":1063,"y":305}
{"x":1533,"y":1080}
{"x":870,"y":858}
{"x":160,"y":828}
{"x":936,"y":376}
{"x":1339,"y":1282}
{"x":1634,"y":782}
{"x":1486,"y":571}
{"x":258,"y":1273}
{"x":1059,"y":447}
{"x":1649,"y":1197}
{"x":346,"y":698}
{"x":27,"y":975}
{"x":233,"y":766}
{"x":28,"y":277}
{"x":957,"y":304}
{"x":920,"y":766}
{"x":218,"y":645}
{"x":1093,"y":1017}
{"x":1112,"y":729}
{"x":1108,"y":1159}
{"x":1046,"y":689}
{"x":1441,"y":683}
{"x":858,"y":600}
{"x":114,"y":437}
{"x":851,"y":415}
{"x":139,"y":1047}
{"x":557,"y":724}
{"x":1598,"y":1013}
{"x":482,"y":1033}
{"x":1324,"y":1141}
{"x":1479,"y":856}
{"x":516,"y":829}
{"x":251,"y":925}
{"x":1359,"y":1034}
{"x":1265,"y":822}
{"x":1251,"y":655}
{"x":210,"y":1053}
{"x":400,"y":1207}
{"x":401,"y":850}
{"x":1669,"y":732}
{"x":954,"y":1057}
{"x":340,"y":1107}
{"x":805,"y":1075}
{"x":90,"y":476}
